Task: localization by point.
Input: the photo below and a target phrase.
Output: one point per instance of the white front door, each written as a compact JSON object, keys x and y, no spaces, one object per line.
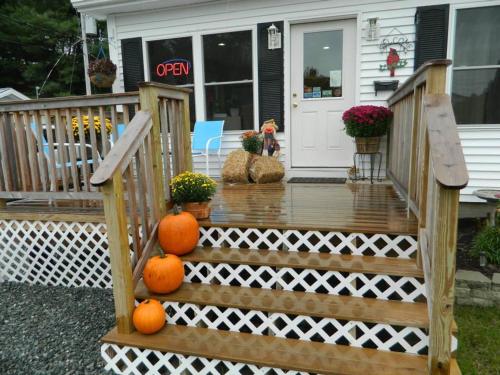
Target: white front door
{"x":323,"y":75}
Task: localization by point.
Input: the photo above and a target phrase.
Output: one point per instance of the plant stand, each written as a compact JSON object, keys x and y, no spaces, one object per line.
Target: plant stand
{"x":359,"y":158}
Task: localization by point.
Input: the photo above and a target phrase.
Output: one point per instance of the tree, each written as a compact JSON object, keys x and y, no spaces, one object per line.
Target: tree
{"x":34,"y":35}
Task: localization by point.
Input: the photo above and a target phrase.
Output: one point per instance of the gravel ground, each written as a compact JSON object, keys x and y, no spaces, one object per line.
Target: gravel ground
{"x":53,"y":330}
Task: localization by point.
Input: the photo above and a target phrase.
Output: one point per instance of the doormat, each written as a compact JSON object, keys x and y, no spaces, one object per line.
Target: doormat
{"x":317,"y":180}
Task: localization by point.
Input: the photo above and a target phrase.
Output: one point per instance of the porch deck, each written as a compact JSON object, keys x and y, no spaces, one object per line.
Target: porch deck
{"x":325,"y":207}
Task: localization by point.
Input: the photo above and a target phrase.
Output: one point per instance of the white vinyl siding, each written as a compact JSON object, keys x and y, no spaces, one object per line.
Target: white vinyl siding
{"x":481,"y":145}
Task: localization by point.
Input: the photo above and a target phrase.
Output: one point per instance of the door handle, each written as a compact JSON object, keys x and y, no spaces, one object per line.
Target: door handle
{"x":295,"y":104}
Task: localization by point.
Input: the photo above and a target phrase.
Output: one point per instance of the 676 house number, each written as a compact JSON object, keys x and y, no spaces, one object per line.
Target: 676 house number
{"x":175,"y":67}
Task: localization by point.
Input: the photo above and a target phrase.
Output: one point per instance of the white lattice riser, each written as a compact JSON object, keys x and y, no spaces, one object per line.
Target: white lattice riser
{"x":402,"y":246}
{"x":408,"y":289}
{"x":131,"y":360}
{"x":72,"y":254}
{"x":327,"y":330}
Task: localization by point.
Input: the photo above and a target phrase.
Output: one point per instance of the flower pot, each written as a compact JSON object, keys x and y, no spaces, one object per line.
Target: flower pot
{"x":200,"y":210}
{"x":367,"y":145}
{"x":102,"y":80}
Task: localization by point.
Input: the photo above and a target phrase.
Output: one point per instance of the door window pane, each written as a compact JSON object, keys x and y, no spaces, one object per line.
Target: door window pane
{"x":171,"y":62}
{"x":476,"y":96}
{"x":322,"y":64}
{"x":228,"y":56}
{"x":477,"y":39}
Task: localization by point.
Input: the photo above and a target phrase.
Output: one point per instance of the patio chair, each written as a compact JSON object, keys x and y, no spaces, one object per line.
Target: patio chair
{"x":207,"y":139}
{"x":45,"y":150}
{"x":120,"y":128}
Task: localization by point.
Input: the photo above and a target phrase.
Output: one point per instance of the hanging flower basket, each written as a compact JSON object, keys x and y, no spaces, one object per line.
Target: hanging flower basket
{"x":102,"y":80}
{"x":102,"y":72}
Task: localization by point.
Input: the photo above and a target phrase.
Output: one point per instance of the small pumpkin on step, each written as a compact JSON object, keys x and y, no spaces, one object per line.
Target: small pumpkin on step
{"x":178,"y":233}
{"x":149,"y":316}
{"x":163,"y":273}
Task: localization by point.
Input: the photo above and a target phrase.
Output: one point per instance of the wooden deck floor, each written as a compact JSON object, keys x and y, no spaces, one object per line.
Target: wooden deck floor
{"x":329,"y":207}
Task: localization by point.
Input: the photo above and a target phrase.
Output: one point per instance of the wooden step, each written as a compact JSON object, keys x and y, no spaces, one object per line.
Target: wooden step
{"x":273,"y":352}
{"x":367,"y":310}
{"x":307,"y":260}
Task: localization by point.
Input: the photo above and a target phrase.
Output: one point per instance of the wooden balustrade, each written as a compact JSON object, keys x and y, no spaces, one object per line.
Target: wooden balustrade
{"x":48,"y":152}
{"x":133,"y":178}
{"x":427,"y":165}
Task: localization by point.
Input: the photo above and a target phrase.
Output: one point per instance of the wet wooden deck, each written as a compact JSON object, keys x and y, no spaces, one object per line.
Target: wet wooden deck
{"x":329,"y":207}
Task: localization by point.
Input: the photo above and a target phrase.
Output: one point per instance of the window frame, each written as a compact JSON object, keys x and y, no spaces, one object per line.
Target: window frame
{"x":199,"y":74}
{"x":253,"y":40}
{"x":452,"y":25}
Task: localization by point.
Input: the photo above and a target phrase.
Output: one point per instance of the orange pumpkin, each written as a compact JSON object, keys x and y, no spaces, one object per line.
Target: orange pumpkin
{"x":178,"y":233}
{"x":163,"y":273}
{"x":149,"y":316}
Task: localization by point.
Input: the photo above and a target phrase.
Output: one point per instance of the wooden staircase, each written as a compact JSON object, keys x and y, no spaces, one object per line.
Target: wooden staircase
{"x":349,"y":279}
{"x":242,"y":311}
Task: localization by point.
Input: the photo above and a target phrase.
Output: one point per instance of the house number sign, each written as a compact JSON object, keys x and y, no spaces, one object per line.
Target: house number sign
{"x":175,"y":67}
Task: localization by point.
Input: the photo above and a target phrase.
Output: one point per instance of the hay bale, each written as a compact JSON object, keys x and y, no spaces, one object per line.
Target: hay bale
{"x":236,"y":167}
{"x":265,"y":169}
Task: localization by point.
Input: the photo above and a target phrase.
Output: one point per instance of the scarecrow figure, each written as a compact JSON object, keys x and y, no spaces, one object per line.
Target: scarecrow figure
{"x":274,"y":149}
{"x":269,"y":128}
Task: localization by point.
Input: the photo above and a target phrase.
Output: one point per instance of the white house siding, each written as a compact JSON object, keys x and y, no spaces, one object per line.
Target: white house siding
{"x":394,"y":17}
{"x":481,"y":144}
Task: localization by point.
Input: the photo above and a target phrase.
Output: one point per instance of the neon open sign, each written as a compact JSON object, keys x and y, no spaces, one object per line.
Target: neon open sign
{"x":176,"y":67}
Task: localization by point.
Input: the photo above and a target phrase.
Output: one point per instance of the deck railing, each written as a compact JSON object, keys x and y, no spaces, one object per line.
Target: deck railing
{"x":134,"y":178}
{"x":427,"y":165}
{"x":47,"y":150}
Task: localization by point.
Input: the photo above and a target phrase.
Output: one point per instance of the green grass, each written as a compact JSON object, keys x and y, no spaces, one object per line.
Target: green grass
{"x":478,"y":340}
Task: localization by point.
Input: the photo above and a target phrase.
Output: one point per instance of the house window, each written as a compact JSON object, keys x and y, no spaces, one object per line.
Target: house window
{"x":171,"y":62}
{"x":227,"y":60}
{"x":476,"y":66}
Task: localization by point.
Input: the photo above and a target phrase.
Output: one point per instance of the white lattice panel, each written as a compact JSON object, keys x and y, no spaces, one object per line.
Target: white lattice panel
{"x":408,"y":289}
{"x":130,"y":360}
{"x":353,"y":333}
{"x":55,"y":253}
{"x":402,"y":246}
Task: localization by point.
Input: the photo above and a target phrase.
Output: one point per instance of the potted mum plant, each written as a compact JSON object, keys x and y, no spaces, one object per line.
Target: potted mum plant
{"x":86,"y":130}
{"x":102,"y":72}
{"x":252,"y":141}
{"x":367,"y":124}
{"x":193,"y":191}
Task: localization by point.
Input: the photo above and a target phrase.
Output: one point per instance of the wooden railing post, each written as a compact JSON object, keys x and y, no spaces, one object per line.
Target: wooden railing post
{"x":119,"y":252}
{"x":444,"y":241}
{"x":148,"y":96}
{"x":187,"y":159}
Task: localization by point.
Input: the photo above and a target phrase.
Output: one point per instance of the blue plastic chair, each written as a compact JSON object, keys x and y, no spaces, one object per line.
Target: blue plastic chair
{"x":120,"y":128}
{"x":45,"y":150}
{"x":207,"y":139}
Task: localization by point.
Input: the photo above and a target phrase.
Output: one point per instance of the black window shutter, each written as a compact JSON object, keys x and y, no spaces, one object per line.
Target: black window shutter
{"x":271,"y":90}
{"x":133,"y":67}
{"x":431,"y":33}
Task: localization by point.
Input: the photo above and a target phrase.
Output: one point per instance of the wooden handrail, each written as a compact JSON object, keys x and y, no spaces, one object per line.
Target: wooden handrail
{"x":125,"y":148}
{"x":70,"y":102}
{"x":446,"y":152}
{"x":427,"y":165}
{"x":133,"y":179}
{"x":416,"y":79}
